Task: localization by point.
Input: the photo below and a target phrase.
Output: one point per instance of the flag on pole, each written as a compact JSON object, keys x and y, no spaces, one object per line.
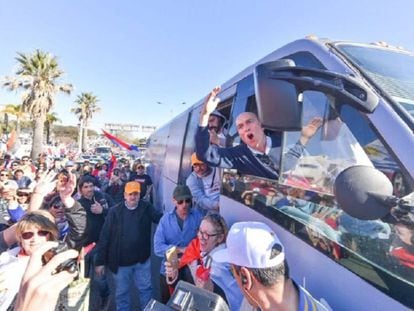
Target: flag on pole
{"x":120,"y":143}
{"x":112,"y":165}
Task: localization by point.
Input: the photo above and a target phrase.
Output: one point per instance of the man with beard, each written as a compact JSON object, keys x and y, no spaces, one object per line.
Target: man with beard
{"x":204,"y":183}
{"x":259,"y":155}
{"x":216,"y":122}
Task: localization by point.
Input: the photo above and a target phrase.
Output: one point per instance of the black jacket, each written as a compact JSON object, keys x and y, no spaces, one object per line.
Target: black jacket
{"x":108,"y":248}
{"x":76,"y":217}
{"x":94,"y":222}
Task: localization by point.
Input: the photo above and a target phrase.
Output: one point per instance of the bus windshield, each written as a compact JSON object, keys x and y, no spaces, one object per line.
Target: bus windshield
{"x":391,"y":70}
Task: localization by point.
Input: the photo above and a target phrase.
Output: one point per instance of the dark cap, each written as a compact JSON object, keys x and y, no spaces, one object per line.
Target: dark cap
{"x":182,"y":192}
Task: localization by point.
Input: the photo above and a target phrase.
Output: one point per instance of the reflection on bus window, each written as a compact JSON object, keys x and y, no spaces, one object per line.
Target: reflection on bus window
{"x":329,"y":152}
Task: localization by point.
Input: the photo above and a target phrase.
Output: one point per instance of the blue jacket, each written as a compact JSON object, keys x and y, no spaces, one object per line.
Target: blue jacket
{"x":205,"y":201}
{"x":169,"y":234}
{"x":242,"y":158}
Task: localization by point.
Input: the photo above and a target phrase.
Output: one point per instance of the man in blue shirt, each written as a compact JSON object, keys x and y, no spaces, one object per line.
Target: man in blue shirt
{"x":176,"y":228}
{"x":204,"y":183}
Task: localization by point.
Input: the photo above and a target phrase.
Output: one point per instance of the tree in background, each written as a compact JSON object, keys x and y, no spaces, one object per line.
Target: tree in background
{"x":86,"y":108}
{"x":15,"y":110}
{"x":38,"y":75}
{"x":50,"y":119}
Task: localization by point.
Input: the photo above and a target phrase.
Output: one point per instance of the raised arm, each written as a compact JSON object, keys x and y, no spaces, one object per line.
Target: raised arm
{"x":210,"y":104}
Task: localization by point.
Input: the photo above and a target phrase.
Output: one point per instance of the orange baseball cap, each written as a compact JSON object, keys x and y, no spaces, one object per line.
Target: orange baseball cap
{"x":195,"y":160}
{"x":132,"y":187}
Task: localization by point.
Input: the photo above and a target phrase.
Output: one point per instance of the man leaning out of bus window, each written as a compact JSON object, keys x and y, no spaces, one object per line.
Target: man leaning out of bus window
{"x":259,"y":266}
{"x":259,"y":155}
{"x":204,"y":183}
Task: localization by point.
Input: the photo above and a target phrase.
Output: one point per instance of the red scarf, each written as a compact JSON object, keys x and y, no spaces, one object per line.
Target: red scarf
{"x":192,"y":252}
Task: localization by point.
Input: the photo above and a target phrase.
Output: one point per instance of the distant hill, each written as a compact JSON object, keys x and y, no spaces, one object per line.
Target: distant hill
{"x":68,"y":133}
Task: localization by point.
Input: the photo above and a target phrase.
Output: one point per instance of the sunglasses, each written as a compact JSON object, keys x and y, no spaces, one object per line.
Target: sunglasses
{"x":22,"y":194}
{"x":4,"y":174}
{"x":188,"y":201}
{"x":198,"y":164}
{"x":28,"y":235}
{"x":206,"y":235}
{"x":57,"y":206}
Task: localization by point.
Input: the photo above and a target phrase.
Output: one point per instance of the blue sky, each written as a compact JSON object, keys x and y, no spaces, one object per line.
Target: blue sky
{"x":132,"y":54}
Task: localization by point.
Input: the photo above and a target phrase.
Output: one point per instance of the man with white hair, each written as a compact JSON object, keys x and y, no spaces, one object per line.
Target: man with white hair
{"x":258,"y":262}
{"x":259,"y":154}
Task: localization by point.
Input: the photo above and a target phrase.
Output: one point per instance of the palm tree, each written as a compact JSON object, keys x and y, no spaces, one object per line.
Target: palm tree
{"x":50,"y":119}
{"x":87,"y":107}
{"x":15,"y":110}
{"x":38,"y":75}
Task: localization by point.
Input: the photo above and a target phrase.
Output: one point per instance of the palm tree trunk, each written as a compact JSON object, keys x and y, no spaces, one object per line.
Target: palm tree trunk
{"x":80,"y":138}
{"x":85,"y":136}
{"x":38,"y":128}
{"x":47,"y":132}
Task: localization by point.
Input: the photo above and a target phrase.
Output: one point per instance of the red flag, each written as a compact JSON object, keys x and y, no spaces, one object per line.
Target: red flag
{"x":112,"y":165}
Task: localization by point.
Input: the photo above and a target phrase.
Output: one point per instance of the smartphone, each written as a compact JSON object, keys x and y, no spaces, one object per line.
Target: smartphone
{"x":171,"y":255}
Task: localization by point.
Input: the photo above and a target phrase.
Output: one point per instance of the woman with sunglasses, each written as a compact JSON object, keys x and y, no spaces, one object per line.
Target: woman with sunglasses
{"x":32,"y":231}
{"x":197,"y":266}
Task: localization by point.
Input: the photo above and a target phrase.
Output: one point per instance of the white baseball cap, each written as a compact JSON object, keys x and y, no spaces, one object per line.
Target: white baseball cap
{"x":249,"y":244}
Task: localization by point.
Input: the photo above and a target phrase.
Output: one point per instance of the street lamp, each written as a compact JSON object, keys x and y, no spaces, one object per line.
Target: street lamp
{"x":172,"y":109}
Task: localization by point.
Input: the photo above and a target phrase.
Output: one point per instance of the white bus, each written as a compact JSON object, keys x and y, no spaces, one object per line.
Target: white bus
{"x":365,"y":95}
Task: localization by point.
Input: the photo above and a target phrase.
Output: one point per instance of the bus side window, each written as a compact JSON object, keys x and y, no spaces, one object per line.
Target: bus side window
{"x":331,"y":150}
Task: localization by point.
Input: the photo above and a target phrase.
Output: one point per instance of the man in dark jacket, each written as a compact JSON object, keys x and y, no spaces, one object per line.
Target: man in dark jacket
{"x":96,"y":205}
{"x":125,"y":246}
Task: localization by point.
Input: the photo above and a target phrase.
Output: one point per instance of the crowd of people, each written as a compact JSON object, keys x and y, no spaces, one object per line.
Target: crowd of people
{"x":107,"y":209}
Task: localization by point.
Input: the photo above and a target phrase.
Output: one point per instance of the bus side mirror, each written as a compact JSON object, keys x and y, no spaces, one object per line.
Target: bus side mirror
{"x":277,"y":100}
{"x":364,"y":192}
{"x":279,"y":84}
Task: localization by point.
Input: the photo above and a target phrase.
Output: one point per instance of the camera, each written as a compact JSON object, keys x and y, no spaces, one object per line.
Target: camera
{"x":70,"y":265}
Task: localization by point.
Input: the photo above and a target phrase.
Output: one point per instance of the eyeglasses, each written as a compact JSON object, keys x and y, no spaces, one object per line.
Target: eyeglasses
{"x":234,"y":270}
{"x":188,"y":201}
{"x":28,"y":235}
{"x":4,"y":174}
{"x":22,"y":194}
{"x":206,"y":235}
